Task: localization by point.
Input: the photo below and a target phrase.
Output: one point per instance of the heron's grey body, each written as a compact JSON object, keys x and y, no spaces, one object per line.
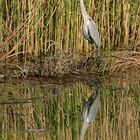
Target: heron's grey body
{"x":90,"y":30}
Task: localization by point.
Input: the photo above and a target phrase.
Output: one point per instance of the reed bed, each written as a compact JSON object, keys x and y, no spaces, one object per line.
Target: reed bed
{"x":54,"y":111}
{"x":32,"y":28}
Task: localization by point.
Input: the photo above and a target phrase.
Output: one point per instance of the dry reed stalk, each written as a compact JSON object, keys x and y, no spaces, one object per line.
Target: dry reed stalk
{"x":126,"y":12}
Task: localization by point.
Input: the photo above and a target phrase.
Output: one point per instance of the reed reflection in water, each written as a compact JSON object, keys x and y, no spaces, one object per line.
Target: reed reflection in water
{"x":43,"y":110}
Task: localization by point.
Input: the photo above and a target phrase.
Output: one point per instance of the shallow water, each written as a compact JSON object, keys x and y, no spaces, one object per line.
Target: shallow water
{"x":42,"y":109}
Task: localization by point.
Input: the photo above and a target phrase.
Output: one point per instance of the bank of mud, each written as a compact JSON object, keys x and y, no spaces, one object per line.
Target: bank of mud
{"x":117,"y":63}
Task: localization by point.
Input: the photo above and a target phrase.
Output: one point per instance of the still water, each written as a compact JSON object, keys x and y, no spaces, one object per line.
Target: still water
{"x":52,"y":109}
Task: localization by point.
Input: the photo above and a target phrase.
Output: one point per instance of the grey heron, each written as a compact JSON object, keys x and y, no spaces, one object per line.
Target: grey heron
{"x":90,"y":30}
{"x":90,"y":110}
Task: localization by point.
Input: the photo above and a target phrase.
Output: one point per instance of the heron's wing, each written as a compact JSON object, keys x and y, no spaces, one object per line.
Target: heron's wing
{"x":93,"y":31}
{"x":86,"y":32}
{"x":94,"y":109}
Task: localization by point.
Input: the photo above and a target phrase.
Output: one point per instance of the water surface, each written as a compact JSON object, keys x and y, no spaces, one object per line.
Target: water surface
{"x":42,"y":109}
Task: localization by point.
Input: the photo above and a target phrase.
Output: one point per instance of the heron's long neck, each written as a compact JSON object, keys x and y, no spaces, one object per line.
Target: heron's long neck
{"x":83,"y":9}
{"x":84,"y":129}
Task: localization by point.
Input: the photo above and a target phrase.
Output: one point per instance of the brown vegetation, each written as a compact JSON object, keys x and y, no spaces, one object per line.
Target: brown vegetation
{"x":69,"y":63}
{"x":32,"y":29}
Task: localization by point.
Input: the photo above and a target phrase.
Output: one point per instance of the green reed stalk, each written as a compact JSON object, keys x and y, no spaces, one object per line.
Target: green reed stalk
{"x":32,"y":28}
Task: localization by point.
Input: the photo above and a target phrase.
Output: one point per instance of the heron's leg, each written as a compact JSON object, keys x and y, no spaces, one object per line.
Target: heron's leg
{"x":91,"y":57}
{"x":91,"y":51}
{"x":94,"y":56}
{"x":97,"y":57}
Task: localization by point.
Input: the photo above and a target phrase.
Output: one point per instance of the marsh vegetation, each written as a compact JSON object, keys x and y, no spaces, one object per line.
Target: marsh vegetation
{"x":47,"y":71}
{"x":34,"y":31}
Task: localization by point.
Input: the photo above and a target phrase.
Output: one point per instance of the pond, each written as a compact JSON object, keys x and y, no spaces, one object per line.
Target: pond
{"x":40,"y":109}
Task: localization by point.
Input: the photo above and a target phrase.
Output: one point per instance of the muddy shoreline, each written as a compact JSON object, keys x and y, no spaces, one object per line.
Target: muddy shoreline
{"x":73,"y":65}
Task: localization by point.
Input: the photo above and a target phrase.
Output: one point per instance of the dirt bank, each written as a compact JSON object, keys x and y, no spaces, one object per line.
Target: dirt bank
{"x":114,"y":63}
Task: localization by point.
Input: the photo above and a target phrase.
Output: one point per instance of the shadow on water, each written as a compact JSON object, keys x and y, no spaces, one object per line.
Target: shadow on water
{"x":53,"y":109}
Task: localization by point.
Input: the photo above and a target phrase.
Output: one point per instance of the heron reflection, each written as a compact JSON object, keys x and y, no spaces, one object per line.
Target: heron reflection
{"x":90,"y":110}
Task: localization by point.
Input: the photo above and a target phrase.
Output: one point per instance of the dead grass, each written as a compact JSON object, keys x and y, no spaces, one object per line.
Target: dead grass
{"x":126,"y":62}
{"x":67,"y":63}
{"x":54,"y":65}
